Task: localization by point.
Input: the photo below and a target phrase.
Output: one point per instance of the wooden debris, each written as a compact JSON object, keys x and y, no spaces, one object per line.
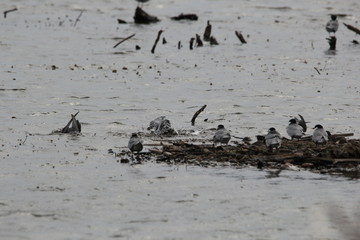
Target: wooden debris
{"x":352,"y":28}
{"x":127,"y":38}
{"x":197,"y":114}
{"x":332,"y":157}
{"x":332,"y":42}
{"x":189,"y":16}
{"x":199,"y":43}
{"x":213,"y":41}
{"x":9,"y":11}
{"x":142,"y":17}
{"x":179,"y":45}
{"x":240,"y":37}
{"x":156,"y":41}
{"x":207,"y":32}
{"x":120,"y":21}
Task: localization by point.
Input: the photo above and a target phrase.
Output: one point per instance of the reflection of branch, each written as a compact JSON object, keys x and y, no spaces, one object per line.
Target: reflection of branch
{"x":349,"y":229}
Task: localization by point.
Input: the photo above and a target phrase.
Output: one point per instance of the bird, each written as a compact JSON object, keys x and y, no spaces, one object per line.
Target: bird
{"x":141,"y":2}
{"x":320,"y":135}
{"x":135,"y":143}
{"x":332,"y":25}
{"x":294,"y":130}
{"x":273,"y":139}
{"x":222,"y":135}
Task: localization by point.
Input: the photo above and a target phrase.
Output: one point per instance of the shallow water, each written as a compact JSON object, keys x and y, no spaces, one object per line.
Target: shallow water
{"x":69,"y":187}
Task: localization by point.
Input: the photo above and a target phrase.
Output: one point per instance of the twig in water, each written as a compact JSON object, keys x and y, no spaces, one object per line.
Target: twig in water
{"x":127,"y":38}
{"x":78,"y":18}
{"x":317,"y":70}
{"x":24,"y":140}
{"x":156,"y":41}
{"x":240,"y":37}
{"x":352,"y":28}
{"x":8,"y":11}
{"x":197,"y":114}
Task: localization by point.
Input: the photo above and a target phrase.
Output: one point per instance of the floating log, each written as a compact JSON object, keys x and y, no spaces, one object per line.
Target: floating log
{"x":197,"y":114}
{"x":156,"y":41}
{"x":207,"y":32}
{"x":127,"y":38}
{"x":142,"y":17}
{"x":189,"y":16}
{"x":352,"y":28}
{"x":240,"y":37}
{"x":9,"y":11}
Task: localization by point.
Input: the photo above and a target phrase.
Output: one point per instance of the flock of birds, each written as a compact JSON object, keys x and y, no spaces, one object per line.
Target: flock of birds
{"x":296,"y":130}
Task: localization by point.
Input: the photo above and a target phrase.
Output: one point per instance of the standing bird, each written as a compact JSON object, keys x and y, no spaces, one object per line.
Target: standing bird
{"x":221,"y":136}
{"x":320,"y":135}
{"x":135,"y":143}
{"x":332,"y":25}
{"x":273,"y":139}
{"x":141,"y":2}
{"x":294,"y":130}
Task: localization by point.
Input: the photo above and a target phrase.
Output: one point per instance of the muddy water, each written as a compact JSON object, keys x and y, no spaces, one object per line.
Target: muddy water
{"x":69,"y":187}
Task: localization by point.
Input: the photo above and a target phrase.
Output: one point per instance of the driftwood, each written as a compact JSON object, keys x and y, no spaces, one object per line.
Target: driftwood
{"x":207,"y":32}
{"x":332,"y":42}
{"x":9,"y":11}
{"x":142,"y":17}
{"x":352,"y":28}
{"x":240,"y":37}
{"x":156,"y":41}
{"x":189,"y":16}
{"x":197,"y":114}
{"x":127,"y":38}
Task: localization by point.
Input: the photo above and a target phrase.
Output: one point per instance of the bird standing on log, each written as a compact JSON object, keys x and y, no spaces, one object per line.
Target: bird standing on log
{"x":332,"y":25}
{"x":273,"y":139}
{"x":320,"y":135}
{"x":222,"y":135}
{"x":294,"y":130}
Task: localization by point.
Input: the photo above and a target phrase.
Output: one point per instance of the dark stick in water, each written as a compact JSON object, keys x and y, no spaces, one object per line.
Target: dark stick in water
{"x":197,"y":114}
{"x":78,"y":18}
{"x":8,"y":11}
{"x":156,"y":41}
{"x":127,"y":38}
{"x":240,"y":37}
